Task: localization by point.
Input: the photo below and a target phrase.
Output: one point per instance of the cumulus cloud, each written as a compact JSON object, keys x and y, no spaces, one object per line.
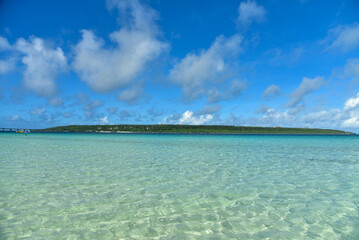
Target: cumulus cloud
{"x":270,"y":117}
{"x":132,"y":94}
{"x":352,"y":122}
{"x":67,"y":114}
{"x":43,"y":64}
{"x":208,"y":109}
{"x":171,"y":119}
{"x":90,"y":108}
{"x":307,"y":86}
{"x":196,"y":72}
{"x":249,"y":11}
{"x":323,"y":119}
{"x":112,"y":110}
{"x":92,"y":105}
{"x":81,"y":98}
{"x":351,"y":68}
{"x":137,"y":43}
{"x":283,"y":56}
{"x":213,"y":95}
{"x":14,"y":118}
{"x":325,"y":116}
{"x":104,"y":120}
{"x":153,"y":114}
{"x":271,"y":91}
{"x":7,"y":65}
{"x":4,"y":44}
{"x":124,"y":114}
{"x":189,"y":118}
{"x":56,"y":101}
{"x":352,"y":102}
{"x":334,"y":118}
{"x":347,"y":117}
{"x":351,"y":106}
{"x":38,"y":111}
{"x":236,"y":88}
{"x":263,"y":109}
{"x":343,"y":38}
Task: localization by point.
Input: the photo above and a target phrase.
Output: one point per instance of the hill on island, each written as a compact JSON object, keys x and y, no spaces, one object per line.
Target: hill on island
{"x":198,"y":129}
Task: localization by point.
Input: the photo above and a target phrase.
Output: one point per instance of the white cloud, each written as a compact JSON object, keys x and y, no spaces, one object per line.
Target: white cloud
{"x":273,"y":118}
{"x":351,"y":123}
{"x":189,"y":118}
{"x":171,"y":119}
{"x":249,"y":11}
{"x":38,"y":111}
{"x":196,"y":72}
{"x":7,"y":65}
{"x":351,"y":108}
{"x":104,"y":120}
{"x":343,"y":38}
{"x":131,"y":95}
{"x":124,"y":114}
{"x":43,"y":64}
{"x":92,"y":105}
{"x":333,"y":118}
{"x":90,"y":108}
{"x":81,"y":98}
{"x":272,"y":91}
{"x":351,"y":69}
{"x":56,"y":101}
{"x":213,"y":95}
{"x":112,"y":110}
{"x":326,"y":118}
{"x":14,"y":118}
{"x":67,"y":114}
{"x":285,"y":56}
{"x":263,"y":109}
{"x":106,"y":68}
{"x":307,"y":86}
{"x":208,"y":109}
{"x":348,"y":117}
{"x":4,"y":44}
{"x":235,"y":88}
{"x":352,"y":102}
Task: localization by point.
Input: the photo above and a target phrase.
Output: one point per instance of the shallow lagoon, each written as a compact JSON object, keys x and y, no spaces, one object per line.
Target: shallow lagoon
{"x":133,"y":186}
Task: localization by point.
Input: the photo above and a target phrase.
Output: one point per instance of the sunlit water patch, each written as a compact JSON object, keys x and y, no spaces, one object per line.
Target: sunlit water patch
{"x":89,"y":186}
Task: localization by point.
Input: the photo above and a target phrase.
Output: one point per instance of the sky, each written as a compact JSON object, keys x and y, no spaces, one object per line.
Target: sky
{"x":247,"y":63}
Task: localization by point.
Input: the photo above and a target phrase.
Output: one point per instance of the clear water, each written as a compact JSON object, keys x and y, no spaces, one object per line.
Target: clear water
{"x":88,"y":186}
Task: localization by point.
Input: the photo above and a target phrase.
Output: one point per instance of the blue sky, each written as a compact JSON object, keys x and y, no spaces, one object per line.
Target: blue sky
{"x":252,"y":63}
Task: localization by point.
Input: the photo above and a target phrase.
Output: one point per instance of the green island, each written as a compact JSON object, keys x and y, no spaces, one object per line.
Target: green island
{"x":198,"y":129}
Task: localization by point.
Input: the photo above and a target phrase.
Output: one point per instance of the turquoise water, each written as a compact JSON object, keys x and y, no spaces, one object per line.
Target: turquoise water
{"x":89,"y":186}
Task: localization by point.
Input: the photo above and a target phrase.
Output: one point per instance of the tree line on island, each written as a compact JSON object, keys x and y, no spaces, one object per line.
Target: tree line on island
{"x":199,"y":129}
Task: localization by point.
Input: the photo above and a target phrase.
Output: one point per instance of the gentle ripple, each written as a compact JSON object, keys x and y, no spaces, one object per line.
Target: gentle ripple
{"x":99,"y":186}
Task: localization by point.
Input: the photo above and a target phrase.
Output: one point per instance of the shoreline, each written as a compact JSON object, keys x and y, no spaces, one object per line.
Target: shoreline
{"x":184,"y":133}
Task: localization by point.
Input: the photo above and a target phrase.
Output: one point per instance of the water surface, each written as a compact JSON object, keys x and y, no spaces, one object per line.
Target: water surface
{"x":133,"y":186}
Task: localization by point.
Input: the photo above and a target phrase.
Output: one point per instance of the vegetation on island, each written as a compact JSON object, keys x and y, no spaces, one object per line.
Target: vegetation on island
{"x":198,"y":129}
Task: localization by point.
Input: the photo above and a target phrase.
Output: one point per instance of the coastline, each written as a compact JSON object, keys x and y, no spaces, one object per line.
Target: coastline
{"x":189,"y":133}
{"x":191,"y":129}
